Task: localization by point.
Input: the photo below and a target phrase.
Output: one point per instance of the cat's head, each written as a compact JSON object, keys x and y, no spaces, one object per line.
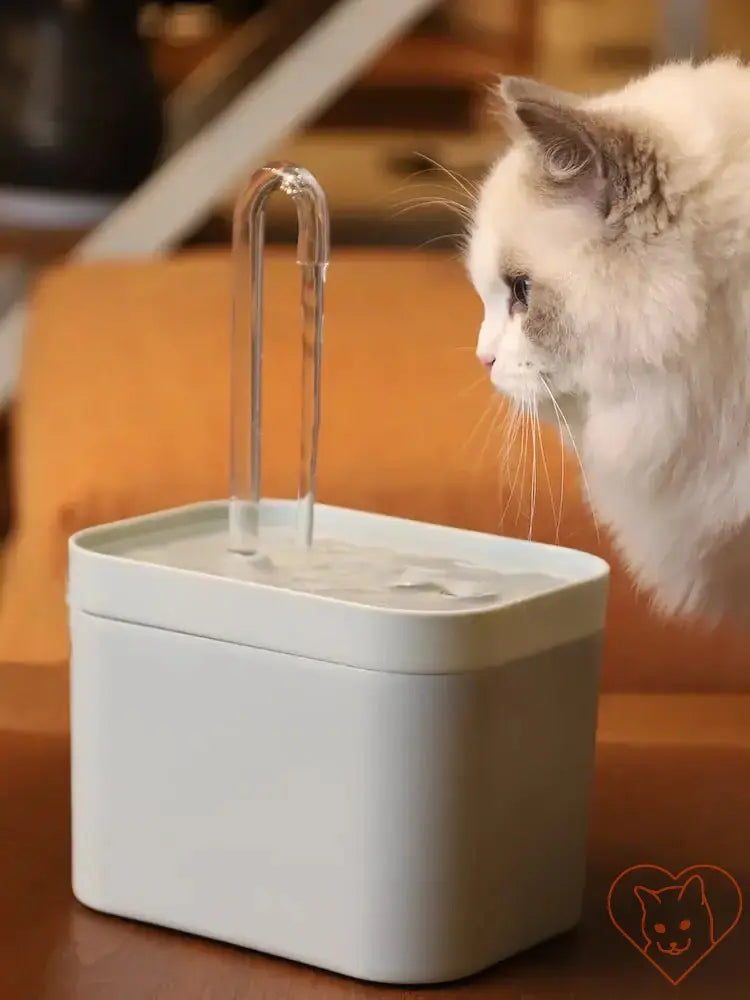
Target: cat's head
{"x":576,"y":248}
{"x":676,"y":920}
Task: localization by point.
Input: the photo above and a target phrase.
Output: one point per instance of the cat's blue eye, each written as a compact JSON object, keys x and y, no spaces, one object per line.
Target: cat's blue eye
{"x":520,"y":289}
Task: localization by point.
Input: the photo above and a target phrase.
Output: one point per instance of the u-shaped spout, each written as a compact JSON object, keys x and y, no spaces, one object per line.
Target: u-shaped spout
{"x":313,"y":248}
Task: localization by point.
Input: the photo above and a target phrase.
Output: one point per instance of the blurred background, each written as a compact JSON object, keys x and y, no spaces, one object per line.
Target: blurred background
{"x":125,"y":130}
{"x":97,"y":94}
{"x":126,"y":125}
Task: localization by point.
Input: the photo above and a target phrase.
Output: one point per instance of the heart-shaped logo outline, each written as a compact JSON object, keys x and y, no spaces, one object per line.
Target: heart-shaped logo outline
{"x":674,"y":879}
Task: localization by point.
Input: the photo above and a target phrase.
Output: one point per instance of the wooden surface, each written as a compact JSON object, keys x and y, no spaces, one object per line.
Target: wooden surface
{"x":123,"y":409}
{"x":675,"y":794}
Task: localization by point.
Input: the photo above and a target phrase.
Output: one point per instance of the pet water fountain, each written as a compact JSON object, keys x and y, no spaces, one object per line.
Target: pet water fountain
{"x":354,"y":741}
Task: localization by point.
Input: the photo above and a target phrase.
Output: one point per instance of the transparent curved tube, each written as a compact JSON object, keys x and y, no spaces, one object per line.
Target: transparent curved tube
{"x":313,"y":248}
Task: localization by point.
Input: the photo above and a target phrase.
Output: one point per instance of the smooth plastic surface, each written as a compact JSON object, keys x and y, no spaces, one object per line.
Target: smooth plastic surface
{"x":400,"y":797}
{"x":104,"y":580}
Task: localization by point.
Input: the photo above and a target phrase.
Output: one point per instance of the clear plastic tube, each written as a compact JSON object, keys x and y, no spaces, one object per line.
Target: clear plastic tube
{"x":313,"y":248}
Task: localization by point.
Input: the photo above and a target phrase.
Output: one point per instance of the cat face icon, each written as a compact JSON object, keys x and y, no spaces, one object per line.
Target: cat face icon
{"x":677,"y":921}
{"x":674,"y":920}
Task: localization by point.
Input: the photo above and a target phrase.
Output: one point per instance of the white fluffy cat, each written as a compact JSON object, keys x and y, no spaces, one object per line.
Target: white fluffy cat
{"x":611,"y":249}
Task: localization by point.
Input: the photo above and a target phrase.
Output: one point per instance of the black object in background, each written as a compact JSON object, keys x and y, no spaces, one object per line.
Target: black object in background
{"x":238,"y":10}
{"x":80,"y":108}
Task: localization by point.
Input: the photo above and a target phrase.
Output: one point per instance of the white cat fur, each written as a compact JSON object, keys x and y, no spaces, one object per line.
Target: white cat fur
{"x":630,"y":213}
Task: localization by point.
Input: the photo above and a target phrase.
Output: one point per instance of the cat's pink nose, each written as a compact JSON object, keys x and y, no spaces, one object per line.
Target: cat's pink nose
{"x":487,"y":360}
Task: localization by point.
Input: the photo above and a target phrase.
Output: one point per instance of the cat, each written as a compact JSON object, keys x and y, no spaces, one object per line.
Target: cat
{"x":677,"y":924}
{"x":610,"y":246}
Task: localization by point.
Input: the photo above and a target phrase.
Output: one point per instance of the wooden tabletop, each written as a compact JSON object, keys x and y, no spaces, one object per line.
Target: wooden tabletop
{"x":672,"y":788}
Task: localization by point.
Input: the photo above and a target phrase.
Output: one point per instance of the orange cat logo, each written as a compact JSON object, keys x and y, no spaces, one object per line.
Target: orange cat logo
{"x":675,"y":921}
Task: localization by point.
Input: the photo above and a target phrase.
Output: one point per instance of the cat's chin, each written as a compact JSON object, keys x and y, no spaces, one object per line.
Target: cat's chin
{"x":563,"y":411}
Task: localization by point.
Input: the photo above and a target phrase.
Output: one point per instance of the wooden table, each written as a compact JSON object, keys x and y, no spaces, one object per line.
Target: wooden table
{"x":672,"y":788}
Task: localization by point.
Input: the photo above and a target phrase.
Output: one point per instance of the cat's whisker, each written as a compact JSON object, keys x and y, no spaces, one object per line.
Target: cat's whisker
{"x":416,"y":203}
{"x":534,"y":424}
{"x":515,"y":450}
{"x":524,"y":457}
{"x":517,"y":425}
{"x":471,"y":387}
{"x":511,"y":491}
{"x":509,"y":425}
{"x":557,"y":511}
{"x":464,"y":241}
{"x":456,"y":237}
{"x":425,"y":191}
{"x":455,"y":207}
{"x":518,"y":452}
{"x":493,"y":428}
{"x":522,"y":498}
{"x":511,"y":435}
{"x":489,"y":429}
{"x":585,"y":481}
{"x":563,"y":463}
{"x":561,"y":435}
{"x":409,"y":185}
{"x":541,"y":458}
{"x":470,"y":189}
{"x":486,"y":412}
{"x":524,"y":460}
{"x":420,"y":180}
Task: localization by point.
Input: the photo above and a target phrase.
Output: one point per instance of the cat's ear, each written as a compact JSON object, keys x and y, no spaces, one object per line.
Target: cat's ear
{"x":569,"y":149}
{"x":693,"y":891}
{"x":515,"y":93}
{"x":646,"y":897}
{"x":515,"y":89}
{"x":588,"y":156}
{"x":571,"y":154}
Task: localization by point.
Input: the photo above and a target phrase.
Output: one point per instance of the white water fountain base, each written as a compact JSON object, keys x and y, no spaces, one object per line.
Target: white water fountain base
{"x":397,"y":796}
